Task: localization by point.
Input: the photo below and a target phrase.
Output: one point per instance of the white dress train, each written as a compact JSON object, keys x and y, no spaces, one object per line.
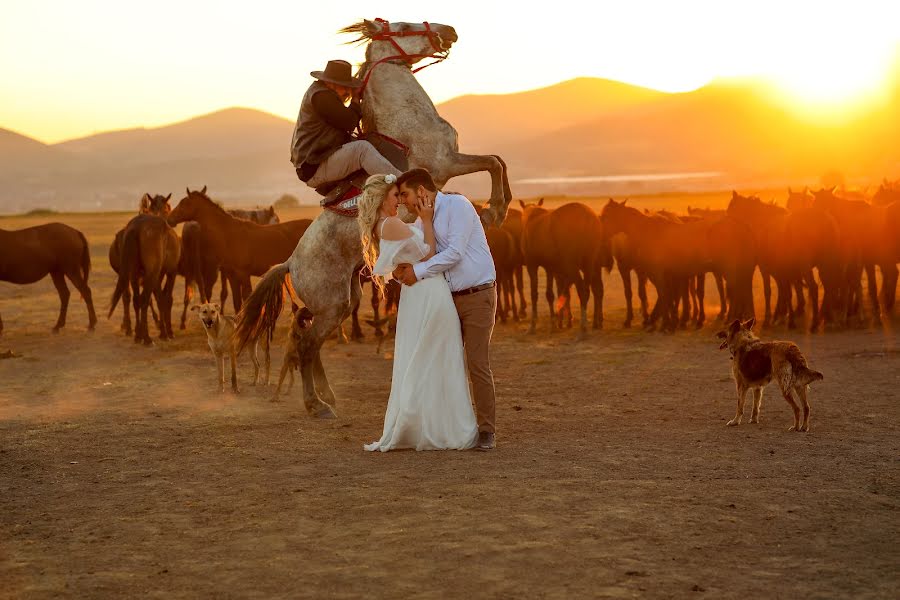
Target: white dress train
{"x":430,"y":406}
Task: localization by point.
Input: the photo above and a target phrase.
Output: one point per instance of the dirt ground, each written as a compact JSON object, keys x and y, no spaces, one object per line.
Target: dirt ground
{"x":124,"y":473}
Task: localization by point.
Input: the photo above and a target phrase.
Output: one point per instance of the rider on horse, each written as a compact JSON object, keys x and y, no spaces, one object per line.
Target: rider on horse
{"x":323,"y":148}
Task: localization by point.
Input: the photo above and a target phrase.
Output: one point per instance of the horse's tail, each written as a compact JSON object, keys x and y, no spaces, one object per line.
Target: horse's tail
{"x":130,"y":252}
{"x":85,"y":259}
{"x":261,"y":309}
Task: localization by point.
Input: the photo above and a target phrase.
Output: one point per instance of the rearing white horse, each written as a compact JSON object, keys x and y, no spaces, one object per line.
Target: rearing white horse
{"x":329,"y":253}
{"x":395,"y":104}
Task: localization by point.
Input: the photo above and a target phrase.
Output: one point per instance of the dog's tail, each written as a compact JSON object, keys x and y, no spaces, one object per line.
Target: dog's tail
{"x":261,"y":309}
{"x":803,"y":375}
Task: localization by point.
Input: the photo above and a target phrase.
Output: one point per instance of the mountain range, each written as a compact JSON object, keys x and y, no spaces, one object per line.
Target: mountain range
{"x":583,"y":136}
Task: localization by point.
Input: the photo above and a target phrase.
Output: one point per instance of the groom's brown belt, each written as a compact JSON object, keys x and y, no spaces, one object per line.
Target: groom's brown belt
{"x":474,"y":290}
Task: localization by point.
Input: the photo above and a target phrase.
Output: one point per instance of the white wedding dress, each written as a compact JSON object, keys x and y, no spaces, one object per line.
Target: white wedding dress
{"x":430,"y":407}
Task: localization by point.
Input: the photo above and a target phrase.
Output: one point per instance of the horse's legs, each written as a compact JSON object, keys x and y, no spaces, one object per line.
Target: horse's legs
{"x":59,"y":280}
{"x":188,"y":296}
{"x":77,"y":279}
{"x":810,"y":279}
{"x":308,"y":351}
{"x":723,"y":297}
{"x":701,"y":293}
{"x":126,"y":308}
{"x":625,"y":273}
{"x":223,"y":293}
{"x":767,"y":297}
{"x":356,"y":333}
{"x":169,"y":298}
{"x":548,"y":294}
{"x":642,"y":295}
{"x":323,"y":388}
{"x":801,"y":299}
{"x":533,"y":281}
{"x":872,"y":284}
{"x":519,"y":274}
{"x":889,"y":276}
{"x":596,"y":284}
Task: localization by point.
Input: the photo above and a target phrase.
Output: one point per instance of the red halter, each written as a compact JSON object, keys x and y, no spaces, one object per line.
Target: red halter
{"x":387,"y":35}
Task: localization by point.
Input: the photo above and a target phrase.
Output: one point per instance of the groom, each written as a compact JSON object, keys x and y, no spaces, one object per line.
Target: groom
{"x":464,"y":259}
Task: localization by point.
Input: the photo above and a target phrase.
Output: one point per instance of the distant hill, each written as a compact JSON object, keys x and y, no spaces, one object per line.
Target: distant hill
{"x":578,"y":128}
{"x":483,"y":121}
{"x":225,"y":133}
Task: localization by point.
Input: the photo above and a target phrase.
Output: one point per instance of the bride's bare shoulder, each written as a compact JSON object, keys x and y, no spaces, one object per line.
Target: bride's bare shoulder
{"x":395,"y":229}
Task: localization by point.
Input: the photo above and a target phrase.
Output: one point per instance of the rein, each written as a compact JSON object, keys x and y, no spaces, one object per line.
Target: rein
{"x":386,"y":34}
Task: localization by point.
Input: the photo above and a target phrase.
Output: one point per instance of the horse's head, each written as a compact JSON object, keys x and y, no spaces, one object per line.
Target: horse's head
{"x":409,"y":41}
{"x":799,"y":200}
{"x":887,"y":193}
{"x":531,"y":209}
{"x":270,"y":218}
{"x":741,"y":204}
{"x":615,"y":216}
{"x":825,"y":198}
{"x":188,"y":206}
{"x":156,"y":205}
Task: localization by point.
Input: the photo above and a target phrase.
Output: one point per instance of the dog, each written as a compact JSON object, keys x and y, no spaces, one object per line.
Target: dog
{"x":219,"y":333}
{"x":302,"y":319}
{"x":756,"y":363}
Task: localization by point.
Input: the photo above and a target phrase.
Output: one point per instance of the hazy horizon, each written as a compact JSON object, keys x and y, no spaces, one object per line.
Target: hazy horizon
{"x":71,"y":70}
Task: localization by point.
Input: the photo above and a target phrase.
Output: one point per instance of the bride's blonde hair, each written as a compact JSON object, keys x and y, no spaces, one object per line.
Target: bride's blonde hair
{"x":374,"y":192}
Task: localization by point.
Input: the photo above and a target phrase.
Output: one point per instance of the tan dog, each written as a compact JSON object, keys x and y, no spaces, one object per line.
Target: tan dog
{"x":301,"y":320}
{"x":219,"y":331}
{"x":756,"y":363}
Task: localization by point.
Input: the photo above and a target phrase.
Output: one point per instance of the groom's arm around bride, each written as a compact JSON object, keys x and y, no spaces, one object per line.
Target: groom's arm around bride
{"x":462,"y":256}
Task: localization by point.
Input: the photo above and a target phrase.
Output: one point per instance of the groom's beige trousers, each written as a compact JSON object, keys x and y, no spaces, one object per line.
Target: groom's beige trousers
{"x":476,"y":313}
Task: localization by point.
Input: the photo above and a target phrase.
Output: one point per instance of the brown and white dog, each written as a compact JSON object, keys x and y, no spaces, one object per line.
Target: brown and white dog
{"x":755,"y":363}
{"x":301,"y":320}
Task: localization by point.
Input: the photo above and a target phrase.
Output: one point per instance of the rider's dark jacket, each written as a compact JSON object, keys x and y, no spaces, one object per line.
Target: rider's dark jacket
{"x":323,"y":125}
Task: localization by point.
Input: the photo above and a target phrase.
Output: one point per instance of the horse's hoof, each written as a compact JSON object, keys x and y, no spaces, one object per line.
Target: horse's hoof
{"x":55,"y":330}
{"x":325,"y":413}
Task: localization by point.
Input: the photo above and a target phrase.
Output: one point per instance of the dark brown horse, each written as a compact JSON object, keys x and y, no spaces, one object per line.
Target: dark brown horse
{"x":767,"y":222}
{"x":151,"y":251}
{"x":513,"y":224}
{"x":504,"y":251}
{"x":243,"y":248}
{"x":671,"y":252}
{"x":858,"y":222}
{"x":261,"y":216}
{"x":537,"y":251}
{"x":29,"y":255}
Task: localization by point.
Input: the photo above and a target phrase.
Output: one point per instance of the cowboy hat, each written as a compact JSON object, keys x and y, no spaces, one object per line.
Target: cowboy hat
{"x":338,"y":72}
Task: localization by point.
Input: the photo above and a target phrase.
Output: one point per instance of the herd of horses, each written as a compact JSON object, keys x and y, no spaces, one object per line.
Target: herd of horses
{"x":816,"y":249}
{"x":839,"y":236}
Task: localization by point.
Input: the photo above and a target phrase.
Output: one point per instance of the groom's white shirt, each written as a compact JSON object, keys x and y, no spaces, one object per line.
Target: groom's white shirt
{"x":462,"y":252}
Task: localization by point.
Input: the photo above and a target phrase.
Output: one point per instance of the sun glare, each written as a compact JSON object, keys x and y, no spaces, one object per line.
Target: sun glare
{"x":836,"y":78}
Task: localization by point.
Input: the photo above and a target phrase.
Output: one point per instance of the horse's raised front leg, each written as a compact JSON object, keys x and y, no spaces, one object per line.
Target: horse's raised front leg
{"x":463,"y":164}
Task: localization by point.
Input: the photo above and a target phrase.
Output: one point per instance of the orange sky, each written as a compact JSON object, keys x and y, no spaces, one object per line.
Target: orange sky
{"x":74,"y":68}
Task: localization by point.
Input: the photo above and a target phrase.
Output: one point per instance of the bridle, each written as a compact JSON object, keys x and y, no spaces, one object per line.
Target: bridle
{"x":386,"y":34}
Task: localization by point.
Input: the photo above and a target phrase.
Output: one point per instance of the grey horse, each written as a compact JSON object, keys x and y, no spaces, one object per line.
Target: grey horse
{"x":322,"y":266}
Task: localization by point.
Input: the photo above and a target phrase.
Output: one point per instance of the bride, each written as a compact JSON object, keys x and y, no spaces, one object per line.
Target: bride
{"x":430,"y":407}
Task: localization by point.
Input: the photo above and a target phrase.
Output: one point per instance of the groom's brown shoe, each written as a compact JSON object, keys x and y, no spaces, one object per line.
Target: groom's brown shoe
{"x":485,"y":441}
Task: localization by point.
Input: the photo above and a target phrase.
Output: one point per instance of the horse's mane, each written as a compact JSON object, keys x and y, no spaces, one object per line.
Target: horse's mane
{"x":218,"y":205}
{"x":360,"y":28}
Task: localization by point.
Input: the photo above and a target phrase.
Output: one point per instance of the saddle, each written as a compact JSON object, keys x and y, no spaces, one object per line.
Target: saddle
{"x":342,"y":197}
